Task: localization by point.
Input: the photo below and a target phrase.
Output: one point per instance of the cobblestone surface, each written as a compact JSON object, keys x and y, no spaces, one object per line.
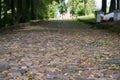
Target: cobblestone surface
{"x":59,"y":50}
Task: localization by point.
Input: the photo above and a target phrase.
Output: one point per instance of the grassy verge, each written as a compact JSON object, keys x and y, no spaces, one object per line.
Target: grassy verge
{"x":89,"y":18}
{"x":109,"y":26}
{"x":115,"y":28}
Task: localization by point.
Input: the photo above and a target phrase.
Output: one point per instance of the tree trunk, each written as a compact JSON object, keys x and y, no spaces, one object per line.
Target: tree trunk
{"x":13,"y":11}
{"x":0,"y":12}
{"x":19,"y":10}
{"x":112,"y":5}
{"x":118,"y":4}
{"x":104,"y":6}
{"x":5,"y":12}
{"x":32,"y":10}
{"x":27,"y":9}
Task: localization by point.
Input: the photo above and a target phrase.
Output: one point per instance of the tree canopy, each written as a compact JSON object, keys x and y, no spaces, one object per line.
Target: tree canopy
{"x":20,"y":11}
{"x":81,"y":7}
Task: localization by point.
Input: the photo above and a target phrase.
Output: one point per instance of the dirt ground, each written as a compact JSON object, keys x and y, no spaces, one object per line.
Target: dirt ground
{"x":59,"y":50}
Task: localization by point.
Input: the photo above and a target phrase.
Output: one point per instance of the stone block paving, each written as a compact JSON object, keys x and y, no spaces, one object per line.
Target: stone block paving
{"x":59,"y":50}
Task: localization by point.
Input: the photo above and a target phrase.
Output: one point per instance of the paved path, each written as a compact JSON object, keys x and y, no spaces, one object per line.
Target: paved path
{"x":59,"y":50}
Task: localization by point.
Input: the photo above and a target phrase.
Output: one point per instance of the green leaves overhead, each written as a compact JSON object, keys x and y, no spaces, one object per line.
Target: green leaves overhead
{"x":19,"y":11}
{"x":78,"y":7}
{"x":62,"y":6}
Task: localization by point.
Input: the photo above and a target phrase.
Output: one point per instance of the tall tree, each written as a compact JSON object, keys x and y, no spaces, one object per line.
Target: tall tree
{"x":118,"y":4}
{"x":112,"y":5}
{"x":19,"y":10}
{"x":32,"y":9}
{"x":0,"y":12}
{"x":104,"y":5}
{"x":27,"y":8}
{"x":23,"y":10}
{"x":13,"y":11}
{"x":5,"y":11}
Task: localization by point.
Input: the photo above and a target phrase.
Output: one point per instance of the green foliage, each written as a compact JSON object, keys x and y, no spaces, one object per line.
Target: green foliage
{"x":41,"y":10}
{"x":88,"y":18}
{"x":25,"y":10}
{"x":115,"y":29}
{"x":62,"y":7}
{"x":52,"y":9}
{"x":90,"y":6}
{"x":80,"y":9}
{"x":77,"y":7}
{"x":46,"y":10}
{"x":107,"y":26}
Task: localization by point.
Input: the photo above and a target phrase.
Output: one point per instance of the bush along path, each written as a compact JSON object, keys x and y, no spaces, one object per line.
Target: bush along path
{"x":59,"y":50}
